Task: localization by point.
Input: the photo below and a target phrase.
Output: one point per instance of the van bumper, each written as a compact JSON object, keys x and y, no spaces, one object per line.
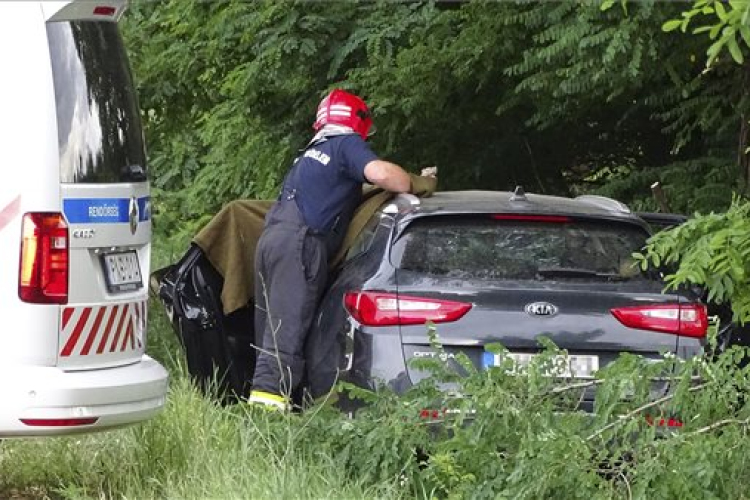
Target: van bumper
{"x":69,"y":401}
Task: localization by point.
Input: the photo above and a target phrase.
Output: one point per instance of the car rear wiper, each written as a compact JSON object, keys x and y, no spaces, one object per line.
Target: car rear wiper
{"x":574,"y":272}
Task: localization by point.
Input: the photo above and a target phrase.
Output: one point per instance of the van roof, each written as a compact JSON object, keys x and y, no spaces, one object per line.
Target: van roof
{"x":82,"y":10}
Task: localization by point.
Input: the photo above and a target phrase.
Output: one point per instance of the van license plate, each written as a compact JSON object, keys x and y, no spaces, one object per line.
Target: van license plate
{"x":573,"y":365}
{"x":122,"y":271}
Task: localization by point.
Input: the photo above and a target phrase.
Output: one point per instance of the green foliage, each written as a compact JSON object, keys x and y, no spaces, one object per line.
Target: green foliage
{"x":505,"y":432}
{"x":685,"y":194}
{"x":543,"y":94}
{"x":728,"y":26}
{"x":712,"y":250}
{"x":193,"y":450}
{"x":518,"y":93}
{"x":226,"y":92}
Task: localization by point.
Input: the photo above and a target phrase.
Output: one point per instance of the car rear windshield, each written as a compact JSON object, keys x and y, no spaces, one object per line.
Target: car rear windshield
{"x":485,"y":248}
{"x":98,"y":122}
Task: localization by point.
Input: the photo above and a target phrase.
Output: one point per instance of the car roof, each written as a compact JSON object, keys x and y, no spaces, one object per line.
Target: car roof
{"x":518,"y":202}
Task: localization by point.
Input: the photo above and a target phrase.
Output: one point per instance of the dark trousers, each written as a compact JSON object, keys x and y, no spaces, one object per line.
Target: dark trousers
{"x":291,"y":270}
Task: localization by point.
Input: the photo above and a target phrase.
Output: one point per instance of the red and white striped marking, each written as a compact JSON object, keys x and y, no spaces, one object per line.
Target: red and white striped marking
{"x":335,"y":110}
{"x":10,"y":212}
{"x":102,"y":329}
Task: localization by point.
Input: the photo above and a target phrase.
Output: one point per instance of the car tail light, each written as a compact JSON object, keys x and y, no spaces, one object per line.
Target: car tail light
{"x":43,"y":269}
{"x":533,"y":218}
{"x":689,"y":320}
{"x":431,"y":414}
{"x":664,"y":422}
{"x":386,"y":309}
{"x":59,"y":422}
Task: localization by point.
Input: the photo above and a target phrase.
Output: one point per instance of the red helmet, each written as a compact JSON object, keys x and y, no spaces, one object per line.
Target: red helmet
{"x":342,"y":108}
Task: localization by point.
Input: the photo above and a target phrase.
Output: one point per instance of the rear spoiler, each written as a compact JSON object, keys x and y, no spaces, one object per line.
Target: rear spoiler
{"x":84,"y":10}
{"x":659,"y":221}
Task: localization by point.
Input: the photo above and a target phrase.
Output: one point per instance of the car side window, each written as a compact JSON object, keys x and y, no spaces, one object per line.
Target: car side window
{"x":366,"y":237}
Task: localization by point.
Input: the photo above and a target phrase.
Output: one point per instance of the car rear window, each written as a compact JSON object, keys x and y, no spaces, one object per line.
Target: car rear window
{"x":98,"y":121}
{"x":484,"y":248}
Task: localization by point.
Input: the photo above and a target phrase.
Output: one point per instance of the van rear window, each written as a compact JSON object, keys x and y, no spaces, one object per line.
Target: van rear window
{"x":98,"y":121}
{"x":483,"y":248}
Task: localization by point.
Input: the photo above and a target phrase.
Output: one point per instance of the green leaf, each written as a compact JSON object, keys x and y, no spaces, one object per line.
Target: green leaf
{"x":702,"y":29}
{"x":671,"y":25}
{"x":606,"y":5}
{"x":745,"y":33}
{"x":721,"y":11}
{"x":684,"y":24}
{"x":715,"y":31}
{"x":734,"y":50}
{"x":714,"y":50}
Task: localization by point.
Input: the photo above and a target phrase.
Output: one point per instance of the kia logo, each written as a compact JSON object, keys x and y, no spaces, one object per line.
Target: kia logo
{"x":541,"y":309}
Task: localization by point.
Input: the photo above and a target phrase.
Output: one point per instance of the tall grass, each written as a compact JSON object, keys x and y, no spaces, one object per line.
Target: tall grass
{"x":193,"y":449}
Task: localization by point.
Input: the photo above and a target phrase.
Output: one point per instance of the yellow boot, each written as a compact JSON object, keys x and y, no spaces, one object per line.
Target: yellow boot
{"x":269,"y":400}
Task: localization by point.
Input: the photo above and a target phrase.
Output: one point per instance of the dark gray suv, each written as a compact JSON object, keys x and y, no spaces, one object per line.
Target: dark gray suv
{"x":484,"y":267}
{"x":496,"y":267}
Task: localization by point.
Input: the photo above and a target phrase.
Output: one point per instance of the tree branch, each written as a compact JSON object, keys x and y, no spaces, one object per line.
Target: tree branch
{"x":578,"y":385}
{"x":716,"y":425}
{"x":742,"y":157}
{"x":638,"y":410}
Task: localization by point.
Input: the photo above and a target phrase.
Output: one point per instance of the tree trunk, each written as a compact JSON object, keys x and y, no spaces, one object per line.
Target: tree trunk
{"x":743,"y":159}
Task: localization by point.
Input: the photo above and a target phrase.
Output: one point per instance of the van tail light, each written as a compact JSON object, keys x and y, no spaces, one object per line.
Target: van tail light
{"x":43,"y":269}
{"x":59,"y":422}
{"x":689,"y":320}
{"x":387,"y":309}
{"x":104,"y":10}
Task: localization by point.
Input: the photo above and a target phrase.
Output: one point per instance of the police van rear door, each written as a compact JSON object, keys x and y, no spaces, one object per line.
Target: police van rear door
{"x":104,"y":188}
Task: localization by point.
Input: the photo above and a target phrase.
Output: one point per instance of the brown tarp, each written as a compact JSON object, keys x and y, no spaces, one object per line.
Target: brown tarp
{"x":229,"y":239}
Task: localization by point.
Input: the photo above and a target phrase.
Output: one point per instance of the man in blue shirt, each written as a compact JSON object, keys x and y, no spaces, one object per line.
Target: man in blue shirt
{"x":305,"y":226}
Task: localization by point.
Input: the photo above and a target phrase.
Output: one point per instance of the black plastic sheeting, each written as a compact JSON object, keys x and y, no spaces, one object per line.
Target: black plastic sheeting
{"x":218,"y":347}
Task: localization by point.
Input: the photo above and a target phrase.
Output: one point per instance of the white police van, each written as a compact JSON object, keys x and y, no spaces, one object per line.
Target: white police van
{"x":75,"y":224}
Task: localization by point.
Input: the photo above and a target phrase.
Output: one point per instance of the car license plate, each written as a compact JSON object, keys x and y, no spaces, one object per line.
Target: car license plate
{"x":571,"y":366}
{"x":122,"y":271}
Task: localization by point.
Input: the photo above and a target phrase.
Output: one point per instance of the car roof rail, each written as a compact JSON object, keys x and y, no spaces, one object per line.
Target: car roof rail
{"x":402,"y":202}
{"x":604,"y":202}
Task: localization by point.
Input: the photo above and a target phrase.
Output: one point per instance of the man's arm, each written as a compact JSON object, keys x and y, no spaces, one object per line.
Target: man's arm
{"x":388,"y":176}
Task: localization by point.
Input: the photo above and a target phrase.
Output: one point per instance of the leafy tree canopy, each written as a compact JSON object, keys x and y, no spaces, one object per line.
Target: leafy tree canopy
{"x":561,"y":97}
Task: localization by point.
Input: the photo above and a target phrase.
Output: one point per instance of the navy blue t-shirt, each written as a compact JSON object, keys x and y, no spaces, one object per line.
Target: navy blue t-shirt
{"x":327,"y":181}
